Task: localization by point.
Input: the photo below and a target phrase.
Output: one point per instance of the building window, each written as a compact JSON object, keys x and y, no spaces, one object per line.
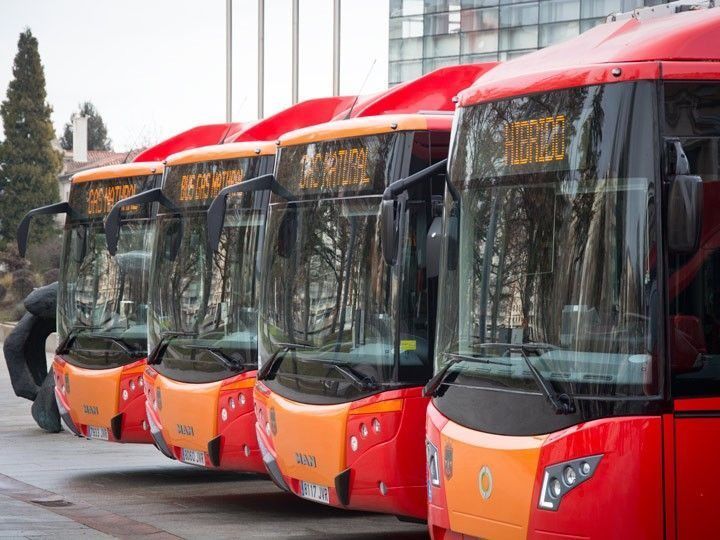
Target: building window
{"x":557,"y":32}
{"x":442,"y":45}
{"x":479,"y":19}
{"x":479,"y":42}
{"x":406,"y":49}
{"x":520,"y":15}
{"x":521,"y":37}
{"x":553,"y":11}
{"x":442,"y":23}
{"x":405,"y":27}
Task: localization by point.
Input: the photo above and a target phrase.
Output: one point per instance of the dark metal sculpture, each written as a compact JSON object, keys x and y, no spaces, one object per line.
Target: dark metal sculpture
{"x":26,"y":359}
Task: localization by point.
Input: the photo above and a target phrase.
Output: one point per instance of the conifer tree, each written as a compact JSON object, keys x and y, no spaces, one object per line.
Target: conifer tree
{"x":28,"y":163}
{"x":97,"y":132}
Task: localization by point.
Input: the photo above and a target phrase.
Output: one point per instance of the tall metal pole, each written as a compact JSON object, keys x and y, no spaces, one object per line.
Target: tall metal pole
{"x":295,"y":50}
{"x":261,"y":60}
{"x":228,"y":60}
{"x":336,"y":46}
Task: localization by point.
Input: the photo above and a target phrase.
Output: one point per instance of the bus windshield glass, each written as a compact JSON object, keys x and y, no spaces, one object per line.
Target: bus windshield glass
{"x":102,"y":301}
{"x":204,"y":304}
{"x":549,"y":256}
{"x":327,"y":306}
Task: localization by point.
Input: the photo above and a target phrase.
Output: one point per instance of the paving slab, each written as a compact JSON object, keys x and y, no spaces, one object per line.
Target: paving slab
{"x":61,"y":486}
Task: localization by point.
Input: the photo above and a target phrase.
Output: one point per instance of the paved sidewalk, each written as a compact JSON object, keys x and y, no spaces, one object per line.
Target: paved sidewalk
{"x":60,"y":486}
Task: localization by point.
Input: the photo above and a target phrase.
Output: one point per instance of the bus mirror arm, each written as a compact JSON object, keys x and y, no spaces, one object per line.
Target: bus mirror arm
{"x":389,"y":215}
{"x":216,"y":211}
{"x":685,"y":201}
{"x":112,"y":221}
{"x":23,"y":229}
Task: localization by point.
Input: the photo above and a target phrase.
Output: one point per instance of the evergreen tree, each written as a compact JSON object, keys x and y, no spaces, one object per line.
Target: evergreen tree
{"x":28,"y":163}
{"x":97,"y":132}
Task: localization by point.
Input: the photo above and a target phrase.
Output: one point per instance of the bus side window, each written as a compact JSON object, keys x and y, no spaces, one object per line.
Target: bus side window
{"x":418,"y":296}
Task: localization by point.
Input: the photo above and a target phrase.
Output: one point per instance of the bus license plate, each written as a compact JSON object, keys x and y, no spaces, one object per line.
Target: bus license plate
{"x":193,"y":457}
{"x":315,"y":492}
{"x":98,"y":433}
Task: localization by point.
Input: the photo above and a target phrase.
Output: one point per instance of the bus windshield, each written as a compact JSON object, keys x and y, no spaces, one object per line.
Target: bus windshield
{"x":550,"y":252}
{"x":102,"y":303}
{"x":204,"y":304}
{"x":329,"y":312}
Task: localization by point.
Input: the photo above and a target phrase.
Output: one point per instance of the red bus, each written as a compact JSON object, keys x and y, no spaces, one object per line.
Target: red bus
{"x":345,"y":339}
{"x":577,"y":385}
{"x":102,"y":300}
{"x":202,"y":303}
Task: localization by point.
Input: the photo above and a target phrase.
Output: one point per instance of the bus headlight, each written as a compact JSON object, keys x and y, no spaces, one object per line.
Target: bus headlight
{"x":560,"y":478}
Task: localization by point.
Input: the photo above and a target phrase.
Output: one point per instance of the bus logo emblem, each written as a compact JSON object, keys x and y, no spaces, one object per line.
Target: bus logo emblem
{"x":485,"y":481}
{"x":305,"y":459}
{"x":185,"y":430}
{"x":91,"y":409}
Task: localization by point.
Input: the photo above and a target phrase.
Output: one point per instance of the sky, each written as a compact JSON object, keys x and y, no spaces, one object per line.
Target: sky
{"x":154,"y":68}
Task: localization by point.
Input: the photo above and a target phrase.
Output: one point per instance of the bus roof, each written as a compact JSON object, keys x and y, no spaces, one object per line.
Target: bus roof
{"x":245,"y":141}
{"x":191,"y":138}
{"x":370,"y":125}
{"x":624,"y":50}
{"x":118,"y":171}
{"x":434,"y":91}
{"x":222,"y":151}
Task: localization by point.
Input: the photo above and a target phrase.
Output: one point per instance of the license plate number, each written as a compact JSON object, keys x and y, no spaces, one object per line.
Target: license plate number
{"x":315,"y":492}
{"x":193,"y":457}
{"x":98,"y":433}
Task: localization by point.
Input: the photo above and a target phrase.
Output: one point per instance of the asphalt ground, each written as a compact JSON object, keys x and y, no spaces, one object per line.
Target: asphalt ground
{"x":61,"y":486}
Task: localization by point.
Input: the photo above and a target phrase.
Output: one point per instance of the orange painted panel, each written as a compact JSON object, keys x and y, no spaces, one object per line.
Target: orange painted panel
{"x":316,"y":432}
{"x":188,"y":412}
{"x":93,"y":395}
{"x":503,"y":467}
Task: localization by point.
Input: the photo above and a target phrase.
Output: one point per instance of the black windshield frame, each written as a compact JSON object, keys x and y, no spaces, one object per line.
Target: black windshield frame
{"x":518,"y":409}
{"x":120,"y":338}
{"x":306,"y":372}
{"x":199,"y":348}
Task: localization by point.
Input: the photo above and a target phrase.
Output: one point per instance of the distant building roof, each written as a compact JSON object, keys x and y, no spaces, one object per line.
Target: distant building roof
{"x":96,"y":158}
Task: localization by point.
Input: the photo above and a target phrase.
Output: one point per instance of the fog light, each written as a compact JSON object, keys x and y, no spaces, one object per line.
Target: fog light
{"x":231,"y":402}
{"x":241,"y":399}
{"x":246,"y":449}
{"x":354,"y":443}
{"x":132,"y":385}
{"x":144,"y":425}
{"x":383,"y":488}
{"x":555,"y":488}
{"x":223,"y":413}
{"x":267,"y":429}
{"x":363,"y":430}
{"x":585,"y":468}
{"x":569,"y":476}
{"x":376,"y":425}
{"x":125,"y":395}
{"x":141,"y":383}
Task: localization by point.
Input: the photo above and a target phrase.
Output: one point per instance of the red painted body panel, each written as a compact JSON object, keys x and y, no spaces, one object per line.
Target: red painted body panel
{"x":395,"y":457}
{"x":624,"y":498}
{"x":192,"y":138}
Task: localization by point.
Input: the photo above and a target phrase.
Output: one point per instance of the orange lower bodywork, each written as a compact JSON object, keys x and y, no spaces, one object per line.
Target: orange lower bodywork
{"x":189,"y":416}
{"x":111,"y":400}
{"x":369,"y":453}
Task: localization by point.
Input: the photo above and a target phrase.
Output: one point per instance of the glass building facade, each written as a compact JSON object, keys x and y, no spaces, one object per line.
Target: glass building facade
{"x":428,"y":34}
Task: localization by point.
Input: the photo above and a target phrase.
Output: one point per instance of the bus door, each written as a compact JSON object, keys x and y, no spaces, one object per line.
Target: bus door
{"x":692,"y":121}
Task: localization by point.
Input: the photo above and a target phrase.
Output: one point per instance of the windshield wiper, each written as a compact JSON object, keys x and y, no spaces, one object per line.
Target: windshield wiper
{"x":455,"y":358}
{"x":155,"y":355}
{"x":266,"y":372}
{"x":64,"y":346}
{"x":362,"y":382}
{"x":562,"y":403}
{"x":225,"y":359}
{"x":126,"y":348}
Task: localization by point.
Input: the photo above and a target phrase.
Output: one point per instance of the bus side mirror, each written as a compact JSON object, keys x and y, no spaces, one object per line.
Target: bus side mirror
{"x":23,"y":230}
{"x":684,"y":217}
{"x":388,"y":230}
